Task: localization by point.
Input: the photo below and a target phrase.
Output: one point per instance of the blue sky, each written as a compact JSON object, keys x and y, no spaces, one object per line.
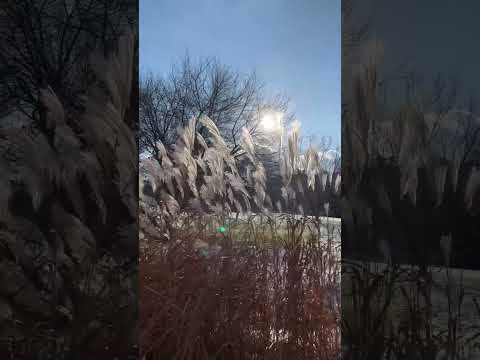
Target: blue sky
{"x":293,"y":46}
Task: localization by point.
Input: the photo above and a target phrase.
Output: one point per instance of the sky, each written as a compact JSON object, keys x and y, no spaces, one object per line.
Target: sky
{"x":293,"y":47}
{"x":431,"y":37}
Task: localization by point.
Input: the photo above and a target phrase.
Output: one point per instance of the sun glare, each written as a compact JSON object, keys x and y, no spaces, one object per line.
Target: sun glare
{"x":272,"y":121}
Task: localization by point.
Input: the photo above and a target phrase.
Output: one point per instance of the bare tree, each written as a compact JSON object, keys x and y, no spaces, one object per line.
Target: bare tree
{"x":208,"y":88}
{"x":48,"y":43}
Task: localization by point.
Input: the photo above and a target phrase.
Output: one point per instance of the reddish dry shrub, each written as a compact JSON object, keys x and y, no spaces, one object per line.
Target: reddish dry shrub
{"x":236,"y":304}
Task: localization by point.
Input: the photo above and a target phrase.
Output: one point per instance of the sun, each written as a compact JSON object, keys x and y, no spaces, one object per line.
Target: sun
{"x":268,"y":122}
{"x":271,"y":121}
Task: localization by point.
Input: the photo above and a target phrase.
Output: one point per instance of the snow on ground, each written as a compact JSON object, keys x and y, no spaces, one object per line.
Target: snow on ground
{"x":470,"y":282}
